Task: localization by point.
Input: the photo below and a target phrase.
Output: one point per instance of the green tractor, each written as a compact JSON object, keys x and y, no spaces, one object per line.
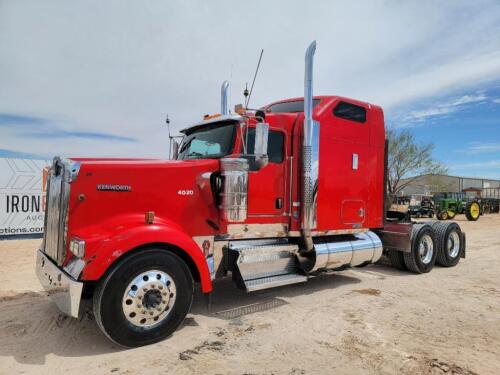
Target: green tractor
{"x":449,"y":204}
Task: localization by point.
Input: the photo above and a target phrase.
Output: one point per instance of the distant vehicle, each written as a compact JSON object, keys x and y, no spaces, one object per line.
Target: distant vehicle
{"x":449,"y":204}
{"x":421,"y":206}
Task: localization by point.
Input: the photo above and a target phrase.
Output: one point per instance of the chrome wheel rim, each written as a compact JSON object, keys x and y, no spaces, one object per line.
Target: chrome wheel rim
{"x":453,"y":244}
{"x":426,"y":249}
{"x":148,"y":298}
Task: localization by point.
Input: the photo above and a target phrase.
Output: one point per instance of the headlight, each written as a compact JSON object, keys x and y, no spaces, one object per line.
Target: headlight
{"x":77,"y":247}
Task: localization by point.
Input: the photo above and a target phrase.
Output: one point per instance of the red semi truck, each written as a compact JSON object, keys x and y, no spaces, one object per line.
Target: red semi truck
{"x":271,"y":197}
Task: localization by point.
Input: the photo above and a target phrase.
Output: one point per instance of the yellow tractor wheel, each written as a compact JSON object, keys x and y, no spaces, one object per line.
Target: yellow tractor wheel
{"x":443,"y":215}
{"x":472,"y":211}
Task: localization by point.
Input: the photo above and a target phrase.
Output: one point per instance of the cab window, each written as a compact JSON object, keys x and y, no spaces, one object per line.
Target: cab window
{"x":350,"y":112}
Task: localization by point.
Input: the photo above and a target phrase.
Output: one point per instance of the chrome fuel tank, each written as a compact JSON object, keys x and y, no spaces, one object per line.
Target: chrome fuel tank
{"x":362,"y":248}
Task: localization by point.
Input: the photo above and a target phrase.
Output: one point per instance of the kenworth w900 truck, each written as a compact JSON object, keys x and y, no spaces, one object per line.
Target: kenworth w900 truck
{"x":271,"y":197}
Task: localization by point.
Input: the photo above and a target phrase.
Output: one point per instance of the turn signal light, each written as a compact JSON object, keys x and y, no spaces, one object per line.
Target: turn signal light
{"x":209,"y":117}
{"x":149,"y":217}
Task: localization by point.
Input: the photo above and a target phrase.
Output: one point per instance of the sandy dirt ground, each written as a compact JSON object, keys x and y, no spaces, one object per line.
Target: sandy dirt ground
{"x":372,"y":320}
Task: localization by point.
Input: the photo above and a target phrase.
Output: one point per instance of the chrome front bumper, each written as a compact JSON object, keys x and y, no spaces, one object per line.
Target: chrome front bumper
{"x":65,"y":291}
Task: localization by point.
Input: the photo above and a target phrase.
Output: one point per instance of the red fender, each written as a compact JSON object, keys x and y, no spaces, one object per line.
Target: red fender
{"x":104,"y":248}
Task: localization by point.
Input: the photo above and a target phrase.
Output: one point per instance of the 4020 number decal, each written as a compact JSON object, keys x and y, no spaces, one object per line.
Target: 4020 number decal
{"x":185,"y":192}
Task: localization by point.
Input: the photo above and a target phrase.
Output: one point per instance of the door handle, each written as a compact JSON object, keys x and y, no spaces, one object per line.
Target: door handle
{"x":279,"y":203}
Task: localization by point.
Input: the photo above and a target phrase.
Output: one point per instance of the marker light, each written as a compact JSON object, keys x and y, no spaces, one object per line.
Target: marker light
{"x":77,"y":247}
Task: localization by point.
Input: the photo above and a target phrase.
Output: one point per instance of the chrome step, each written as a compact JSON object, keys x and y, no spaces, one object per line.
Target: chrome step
{"x":261,"y":264}
{"x":274,"y":281}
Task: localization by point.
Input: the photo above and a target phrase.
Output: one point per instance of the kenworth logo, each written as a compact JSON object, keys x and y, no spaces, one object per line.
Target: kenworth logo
{"x":107,"y":187}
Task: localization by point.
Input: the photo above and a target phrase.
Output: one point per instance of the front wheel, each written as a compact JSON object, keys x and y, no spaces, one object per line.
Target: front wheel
{"x":443,"y":215}
{"x":451,"y":214}
{"x":144,"y":298}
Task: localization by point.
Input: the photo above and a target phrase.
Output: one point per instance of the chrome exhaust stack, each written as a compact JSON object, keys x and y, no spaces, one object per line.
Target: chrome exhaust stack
{"x":310,"y":155}
{"x":224,"y":108}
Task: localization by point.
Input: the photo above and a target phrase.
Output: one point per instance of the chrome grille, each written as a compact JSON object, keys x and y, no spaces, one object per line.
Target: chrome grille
{"x":59,"y":178}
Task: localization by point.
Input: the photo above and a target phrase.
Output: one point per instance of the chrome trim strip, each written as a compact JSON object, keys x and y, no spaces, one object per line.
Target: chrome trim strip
{"x":332,"y":232}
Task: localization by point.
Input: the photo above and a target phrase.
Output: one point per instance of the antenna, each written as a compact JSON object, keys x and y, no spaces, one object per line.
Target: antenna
{"x":245,"y":92}
{"x":253,"y":82}
{"x":167,"y":121}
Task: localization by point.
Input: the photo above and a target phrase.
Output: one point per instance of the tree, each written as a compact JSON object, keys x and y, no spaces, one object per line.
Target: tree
{"x":407,"y":160}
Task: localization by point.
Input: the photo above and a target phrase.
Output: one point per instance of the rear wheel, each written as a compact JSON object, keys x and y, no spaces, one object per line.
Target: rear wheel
{"x":472,"y":211}
{"x":422,"y":255}
{"x":144,"y":298}
{"x":449,"y":243}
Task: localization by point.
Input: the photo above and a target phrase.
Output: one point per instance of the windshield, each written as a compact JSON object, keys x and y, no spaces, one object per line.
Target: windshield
{"x":211,"y":142}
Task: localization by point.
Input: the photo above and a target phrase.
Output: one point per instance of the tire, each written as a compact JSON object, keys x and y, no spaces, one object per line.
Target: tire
{"x":472,"y":211}
{"x":449,"y":243}
{"x":143,"y":298}
{"x":423,"y":252}
{"x":396,"y":259}
{"x":443,"y":215}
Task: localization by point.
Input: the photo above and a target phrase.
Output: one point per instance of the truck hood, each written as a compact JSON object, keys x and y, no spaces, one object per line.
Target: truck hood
{"x":108,"y":192}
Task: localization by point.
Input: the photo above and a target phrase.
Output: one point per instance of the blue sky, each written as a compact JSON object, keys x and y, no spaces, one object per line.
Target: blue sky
{"x":464,"y":127}
{"x":97,"y":78}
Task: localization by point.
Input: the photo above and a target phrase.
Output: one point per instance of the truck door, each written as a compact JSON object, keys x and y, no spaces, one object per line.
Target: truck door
{"x":266,"y":187}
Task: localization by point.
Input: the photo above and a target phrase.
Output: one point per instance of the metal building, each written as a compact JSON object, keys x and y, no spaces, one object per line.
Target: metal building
{"x":432,"y":183}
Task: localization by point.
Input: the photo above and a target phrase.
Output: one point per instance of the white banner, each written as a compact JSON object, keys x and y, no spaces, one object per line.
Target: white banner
{"x":22,"y":196}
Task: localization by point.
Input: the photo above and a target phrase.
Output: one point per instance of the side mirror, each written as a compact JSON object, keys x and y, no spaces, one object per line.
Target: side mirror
{"x":260,"y":147}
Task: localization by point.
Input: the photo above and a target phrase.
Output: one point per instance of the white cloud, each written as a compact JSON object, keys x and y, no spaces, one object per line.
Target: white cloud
{"x":491,"y":164}
{"x":444,"y":108}
{"x":119,"y":66}
{"x":482,"y":147}
{"x":496,"y":101}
